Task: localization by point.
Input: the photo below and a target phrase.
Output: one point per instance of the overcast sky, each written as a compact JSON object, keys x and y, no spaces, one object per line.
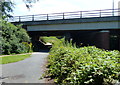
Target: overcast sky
{"x":56,"y":6}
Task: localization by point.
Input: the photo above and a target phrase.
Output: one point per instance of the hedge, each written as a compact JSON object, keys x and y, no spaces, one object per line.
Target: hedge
{"x":84,"y":66}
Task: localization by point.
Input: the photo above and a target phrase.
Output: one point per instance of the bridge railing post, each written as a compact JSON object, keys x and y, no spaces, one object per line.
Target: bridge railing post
{"x":47,"y":17}
{"x":113,"y":12}
{"x":80,"y":14}
{"x":19,"y":18}
{"x":32,"y":17}
{"x":63,"y":15}
{"x":100,"y":14}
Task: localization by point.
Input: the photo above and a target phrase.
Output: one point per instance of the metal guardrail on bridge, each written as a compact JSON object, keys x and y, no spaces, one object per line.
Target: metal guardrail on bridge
{"x":66,"y":15}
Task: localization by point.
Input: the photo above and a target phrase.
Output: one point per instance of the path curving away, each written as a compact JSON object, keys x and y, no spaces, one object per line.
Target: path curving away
{"x":25,"y":71}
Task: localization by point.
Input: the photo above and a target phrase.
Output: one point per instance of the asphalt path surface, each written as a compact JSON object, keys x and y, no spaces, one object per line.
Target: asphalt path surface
{"x":25,"y":71}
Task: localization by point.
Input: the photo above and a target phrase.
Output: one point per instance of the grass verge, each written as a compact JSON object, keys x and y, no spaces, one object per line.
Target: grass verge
{"x":13,"y":58}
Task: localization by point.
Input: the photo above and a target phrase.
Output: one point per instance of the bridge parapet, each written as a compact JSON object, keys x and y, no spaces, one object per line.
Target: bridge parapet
{"x":66,"y":15}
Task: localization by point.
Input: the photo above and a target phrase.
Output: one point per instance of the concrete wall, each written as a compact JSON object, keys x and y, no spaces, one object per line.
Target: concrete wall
{"x":96,"y":38}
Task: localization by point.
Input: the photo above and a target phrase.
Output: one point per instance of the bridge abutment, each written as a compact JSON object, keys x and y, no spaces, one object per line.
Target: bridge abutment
{"x":96,"y":38}
{"x":35,"y":42}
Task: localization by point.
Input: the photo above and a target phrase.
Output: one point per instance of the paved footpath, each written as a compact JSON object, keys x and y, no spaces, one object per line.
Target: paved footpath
{"x":25,"y":71}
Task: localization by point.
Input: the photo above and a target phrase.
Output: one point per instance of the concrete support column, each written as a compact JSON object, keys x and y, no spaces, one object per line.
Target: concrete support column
{"x":35,"y":41}
{"x":104,"y":39}
{"x":67,"y":36}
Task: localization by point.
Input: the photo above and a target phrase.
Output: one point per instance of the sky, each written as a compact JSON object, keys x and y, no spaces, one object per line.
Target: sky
{"x":58,"y":6}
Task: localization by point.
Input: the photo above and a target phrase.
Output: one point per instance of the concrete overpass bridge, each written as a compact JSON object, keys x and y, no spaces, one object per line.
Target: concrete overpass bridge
{"x":97,"y":27}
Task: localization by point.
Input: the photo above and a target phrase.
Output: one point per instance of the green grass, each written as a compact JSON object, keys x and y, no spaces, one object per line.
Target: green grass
{"x":50,"y":39}
{"x":13,"y":58}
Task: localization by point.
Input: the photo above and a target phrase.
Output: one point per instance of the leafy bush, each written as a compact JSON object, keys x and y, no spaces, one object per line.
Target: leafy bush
{"x":83,"y":66}
{"x":12,"y":38}
{"x":28,"y":46}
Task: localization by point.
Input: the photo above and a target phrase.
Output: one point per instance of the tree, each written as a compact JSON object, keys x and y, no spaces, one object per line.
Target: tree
{"x":6,"y":8}
{"x":14,"y":39}
{"x":28,"y":3}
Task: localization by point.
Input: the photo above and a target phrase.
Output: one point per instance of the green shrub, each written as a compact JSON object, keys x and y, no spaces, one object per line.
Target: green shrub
{"x":28,"y":46}
{"x":83,"y":66}
{"x":12,"y":39}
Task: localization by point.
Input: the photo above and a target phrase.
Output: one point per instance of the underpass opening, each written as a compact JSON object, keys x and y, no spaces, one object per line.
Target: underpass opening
{"x":37,"y":39}
{"x":100,"y":38}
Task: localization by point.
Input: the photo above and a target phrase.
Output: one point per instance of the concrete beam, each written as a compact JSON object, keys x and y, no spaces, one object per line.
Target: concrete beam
{"x":75,"y":26}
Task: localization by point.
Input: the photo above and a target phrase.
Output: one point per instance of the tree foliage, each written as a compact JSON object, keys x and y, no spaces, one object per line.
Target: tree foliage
{"x":6,"y":8}
{"x":28,"y":3}
{"x":13,"y":39}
